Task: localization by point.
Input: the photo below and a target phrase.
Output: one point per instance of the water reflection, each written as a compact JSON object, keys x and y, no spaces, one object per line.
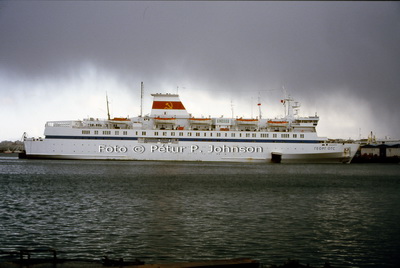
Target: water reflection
{"x":343,"y":214}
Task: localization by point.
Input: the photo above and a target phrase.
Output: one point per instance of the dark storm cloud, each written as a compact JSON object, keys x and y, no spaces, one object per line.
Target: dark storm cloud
{"x":310,"y":47}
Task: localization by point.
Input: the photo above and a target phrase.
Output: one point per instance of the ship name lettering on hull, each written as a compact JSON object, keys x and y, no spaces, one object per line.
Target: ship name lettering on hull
{"x":112,"y":149}
{"x":327,"y":148}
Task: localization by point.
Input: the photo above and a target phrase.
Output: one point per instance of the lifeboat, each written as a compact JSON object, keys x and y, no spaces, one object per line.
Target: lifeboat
{"x":120,"y":119}
{"x":246,"y":121}
{"x":278,"y":123}
{"x":166,"y":120}
{"x":200,"y":121}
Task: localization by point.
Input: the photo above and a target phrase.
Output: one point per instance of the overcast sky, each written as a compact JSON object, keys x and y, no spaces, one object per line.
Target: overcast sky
{"x":341,"y":60}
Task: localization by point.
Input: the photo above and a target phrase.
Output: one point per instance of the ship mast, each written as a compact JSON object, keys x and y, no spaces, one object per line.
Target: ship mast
{"x":108,"y":108}
{"x":259,"y":105}
{"x":141,"y":99}
{"x":285,"y":98}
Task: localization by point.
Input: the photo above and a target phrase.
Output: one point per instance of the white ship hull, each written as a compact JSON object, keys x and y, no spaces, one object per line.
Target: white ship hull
{"x":189,"y":151}
{"x":170,"y":133}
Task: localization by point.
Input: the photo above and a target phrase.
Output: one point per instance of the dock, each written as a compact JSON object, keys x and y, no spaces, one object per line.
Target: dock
{"x":47,"y":258}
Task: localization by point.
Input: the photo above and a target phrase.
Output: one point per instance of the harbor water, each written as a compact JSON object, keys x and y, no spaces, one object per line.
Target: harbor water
{"x":347,"y":215}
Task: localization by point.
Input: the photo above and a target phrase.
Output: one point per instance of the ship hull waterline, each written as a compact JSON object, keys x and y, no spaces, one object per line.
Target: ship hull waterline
{"x":80,"y":149}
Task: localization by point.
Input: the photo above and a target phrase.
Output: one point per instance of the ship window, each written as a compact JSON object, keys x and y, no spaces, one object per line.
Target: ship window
{"x":218,"y":134}
{"x":189,"y":133}
{"x":226,"y":134}
{"x":253,"y":135}
{"x":172,"y":133}
{"x":85,"y":131}
{"x":126,"y":132}
{"x":284,"y":135}
{"x":164,"y":133}
{"x":232,"y":135}
{"x":294,"y":135}
{"x":274,"y":135}
{"x":210,"y":134}
{"x":247,"y":135}
{"x":144,"y":133}
{"x":106,"y":132}
{"x":240,"y":134}
{"x":156,"y":133}
{"x":223,"y":121}
{"x":301,"y":135}
{"x":96,"y":132}
{"x":180,"y":133}
{"x":197,"y":134}
{"x":205,"y":134}
{"x":116,"y":132}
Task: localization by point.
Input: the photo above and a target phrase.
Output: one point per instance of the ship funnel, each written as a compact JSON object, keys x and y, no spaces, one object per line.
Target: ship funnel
{"x":168,"y":105}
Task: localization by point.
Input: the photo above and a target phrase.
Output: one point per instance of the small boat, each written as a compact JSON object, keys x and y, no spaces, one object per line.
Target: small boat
{"x":200,"y":121}
{"x":246,"y":121}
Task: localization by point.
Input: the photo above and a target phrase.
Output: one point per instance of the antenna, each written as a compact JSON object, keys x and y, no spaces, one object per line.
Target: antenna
{"x":251,"y":106}
{"x":285,"y":100}
{"x":259,"y":104}
{"x":108,"y":108}
{"x":232,"y":106}
{"x":141,"y":98}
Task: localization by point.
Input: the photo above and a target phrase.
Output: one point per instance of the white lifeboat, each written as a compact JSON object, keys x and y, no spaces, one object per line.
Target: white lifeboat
{"x":165,"y":120}
{"x":120,"y":119}
{"x":200,"y":121}
{"x":247,"y":121}
{"x":278,"y":123}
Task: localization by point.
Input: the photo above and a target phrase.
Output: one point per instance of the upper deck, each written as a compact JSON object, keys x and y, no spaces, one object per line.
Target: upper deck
{"x":169,"y":114}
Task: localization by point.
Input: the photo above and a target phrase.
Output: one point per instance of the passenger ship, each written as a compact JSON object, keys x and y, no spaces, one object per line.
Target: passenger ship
{"x":170,"y":133}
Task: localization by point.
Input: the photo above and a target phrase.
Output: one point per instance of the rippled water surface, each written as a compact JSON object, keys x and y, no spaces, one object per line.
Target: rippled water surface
{"x":347,"y":215}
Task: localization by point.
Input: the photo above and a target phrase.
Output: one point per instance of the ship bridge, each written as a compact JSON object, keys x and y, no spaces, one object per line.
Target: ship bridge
{"x":168,"y":106}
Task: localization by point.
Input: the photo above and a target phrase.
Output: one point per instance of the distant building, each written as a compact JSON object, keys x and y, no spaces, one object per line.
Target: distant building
{"x":370,"y":150}
{"x":379,"y":153}
{"x":393,"y":151}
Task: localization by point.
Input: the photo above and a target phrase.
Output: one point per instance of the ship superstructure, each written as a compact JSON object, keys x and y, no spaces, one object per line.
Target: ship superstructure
{"x":171,"y":133}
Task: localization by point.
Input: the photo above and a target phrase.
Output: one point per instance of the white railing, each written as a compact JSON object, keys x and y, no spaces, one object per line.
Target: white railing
{"x":64,"y":124}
